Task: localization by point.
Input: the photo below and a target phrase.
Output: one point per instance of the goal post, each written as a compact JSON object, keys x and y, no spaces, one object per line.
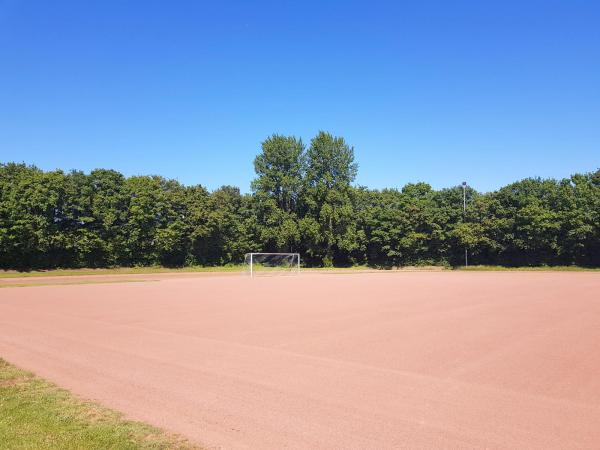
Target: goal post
{"x":272,"y":263}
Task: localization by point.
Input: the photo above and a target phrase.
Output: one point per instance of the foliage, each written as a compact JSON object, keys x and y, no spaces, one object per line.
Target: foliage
{"x":303,"y":199}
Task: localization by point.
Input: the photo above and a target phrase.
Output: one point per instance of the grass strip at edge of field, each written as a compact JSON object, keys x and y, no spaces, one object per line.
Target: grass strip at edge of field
{"x":115,"y":271}
{"x":527,"y":269}
{"x":70,"y":283}
{"x":35,"y":413}
{"x":240,"y":268}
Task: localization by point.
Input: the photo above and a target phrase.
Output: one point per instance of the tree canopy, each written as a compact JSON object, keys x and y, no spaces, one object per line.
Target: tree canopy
{"x":303,"y":199}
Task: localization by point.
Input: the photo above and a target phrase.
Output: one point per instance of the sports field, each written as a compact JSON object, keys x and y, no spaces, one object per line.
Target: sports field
{"x":324,"y":361}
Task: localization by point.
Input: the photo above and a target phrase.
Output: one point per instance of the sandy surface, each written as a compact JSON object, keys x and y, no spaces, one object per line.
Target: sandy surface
{"x":361,"y":361}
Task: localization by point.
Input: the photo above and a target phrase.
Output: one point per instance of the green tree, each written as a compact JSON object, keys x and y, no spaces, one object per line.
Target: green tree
{"x":109,"y":209}
{"x":579,"y":211}
{"x":280,"y":169}
{"x":221,"y":233}
{"x":302,"y":200}
{"x":331,"y":230}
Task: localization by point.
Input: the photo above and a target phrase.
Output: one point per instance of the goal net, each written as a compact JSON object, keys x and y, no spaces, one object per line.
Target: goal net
{"x":272,"y":263}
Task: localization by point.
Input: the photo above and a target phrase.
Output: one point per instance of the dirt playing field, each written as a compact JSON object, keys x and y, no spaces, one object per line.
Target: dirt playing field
{"x":328,"y":361}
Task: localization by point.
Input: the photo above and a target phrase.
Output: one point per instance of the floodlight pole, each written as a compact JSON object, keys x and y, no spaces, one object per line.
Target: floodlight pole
{"x":464,"y":185}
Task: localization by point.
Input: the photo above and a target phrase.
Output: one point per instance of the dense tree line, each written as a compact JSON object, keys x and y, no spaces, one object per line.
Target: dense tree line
{"x":303,"y":199}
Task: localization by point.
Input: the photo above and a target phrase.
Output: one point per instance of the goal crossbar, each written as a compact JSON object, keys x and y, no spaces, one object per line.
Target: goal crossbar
{"x":272,"y":261}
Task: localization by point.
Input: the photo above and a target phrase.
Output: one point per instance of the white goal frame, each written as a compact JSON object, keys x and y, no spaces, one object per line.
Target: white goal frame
{"x":295,"y":257}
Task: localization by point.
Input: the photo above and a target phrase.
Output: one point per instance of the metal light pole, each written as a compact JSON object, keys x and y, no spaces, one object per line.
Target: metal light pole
{"x":464,"y":185}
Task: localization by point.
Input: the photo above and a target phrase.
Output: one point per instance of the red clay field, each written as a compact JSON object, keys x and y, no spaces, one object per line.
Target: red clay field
{"x":335,"y":361}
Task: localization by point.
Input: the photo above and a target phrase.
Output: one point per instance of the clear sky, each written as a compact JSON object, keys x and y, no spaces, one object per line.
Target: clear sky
{"x":435,"y":91}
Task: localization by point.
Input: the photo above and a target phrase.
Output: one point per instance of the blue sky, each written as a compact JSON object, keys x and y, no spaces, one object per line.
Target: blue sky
{"x":434,"y":91}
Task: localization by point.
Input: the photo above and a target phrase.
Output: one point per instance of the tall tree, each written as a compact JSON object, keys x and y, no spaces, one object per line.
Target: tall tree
{"x":329,"y":226}
{"x":280,"y":169}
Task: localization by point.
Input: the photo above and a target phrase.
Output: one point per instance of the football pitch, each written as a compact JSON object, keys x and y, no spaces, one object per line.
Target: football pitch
{"x":326,"y":360}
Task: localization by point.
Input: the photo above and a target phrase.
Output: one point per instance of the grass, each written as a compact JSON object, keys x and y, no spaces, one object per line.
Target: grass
{"x":529,"y":269}
{"x":116,"y":271}
{"x":68,"y":282}
{"x":158,"y":269}
{"x":239,"y":268}
{"x":37,"y":415}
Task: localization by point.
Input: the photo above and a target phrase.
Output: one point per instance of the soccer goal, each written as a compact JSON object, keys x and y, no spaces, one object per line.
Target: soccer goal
{"x":272,"y":263}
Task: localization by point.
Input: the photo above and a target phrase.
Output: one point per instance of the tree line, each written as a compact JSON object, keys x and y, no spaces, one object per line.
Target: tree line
{"x":303,"y":200}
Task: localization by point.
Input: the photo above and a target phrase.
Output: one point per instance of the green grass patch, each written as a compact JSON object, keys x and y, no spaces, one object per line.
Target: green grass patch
{"x":240,"y":268}
{"x":355,"y":269}
{"x":528,"y":269}
{"x":37,"y":415}
{"x":117,"y":271}
{"x":69,"y":282}
{"x":158,"y":269}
